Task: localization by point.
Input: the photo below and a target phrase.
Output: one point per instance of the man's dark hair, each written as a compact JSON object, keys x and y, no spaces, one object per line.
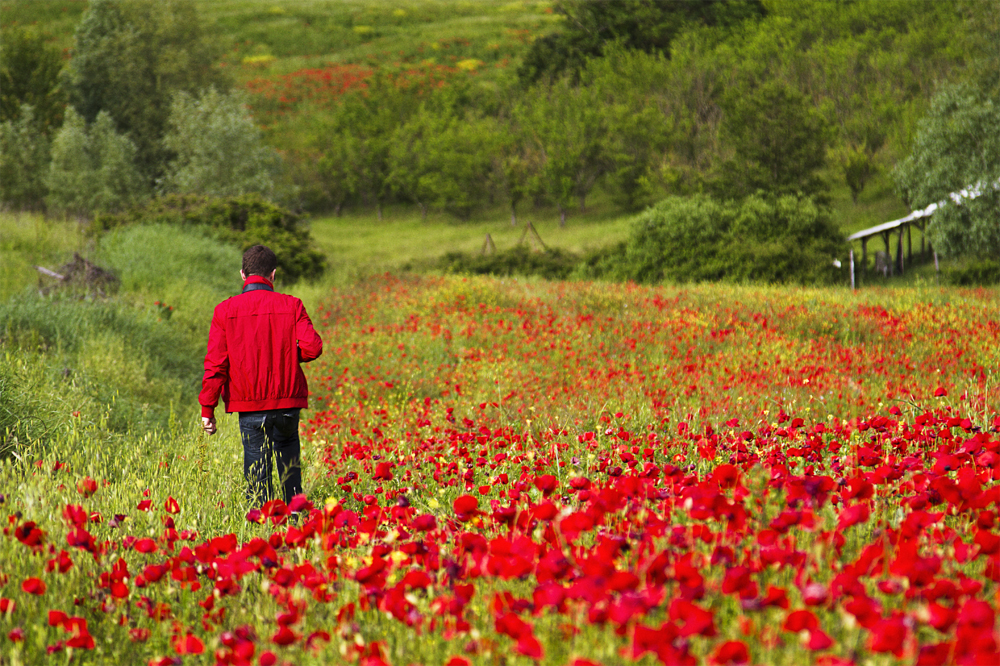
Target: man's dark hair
{"x":259,"y":260}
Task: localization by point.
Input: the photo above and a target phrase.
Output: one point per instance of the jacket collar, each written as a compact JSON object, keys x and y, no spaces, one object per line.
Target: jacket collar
{"x":255,"y":282}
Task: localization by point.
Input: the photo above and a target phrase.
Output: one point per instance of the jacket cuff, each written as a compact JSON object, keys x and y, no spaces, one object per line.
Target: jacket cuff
{"x":207,"y":412}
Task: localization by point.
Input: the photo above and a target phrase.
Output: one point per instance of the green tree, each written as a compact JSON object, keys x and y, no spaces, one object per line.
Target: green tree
{"x":565,"y":124}
{"x":29,"y":75}
{"x":957,"y":148}
{"x":516,"y":165}
{"x":93,"y":168}
{"x":218,"y":149}
{"x":359,"y":140}
{"x":24,"y":157}
{"x":638,"y":130}
{"x":779,"y":143}
{"x":644,"y":25}
{"x":129,"y":58}
{"x":442,"y":159}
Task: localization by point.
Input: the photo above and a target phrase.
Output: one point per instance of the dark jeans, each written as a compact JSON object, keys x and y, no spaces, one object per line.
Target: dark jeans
{"x":265,"y":433}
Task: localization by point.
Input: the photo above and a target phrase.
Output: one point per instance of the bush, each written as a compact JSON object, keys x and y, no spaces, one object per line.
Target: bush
{"x":245,"y":221}
{"x":550,"y":264}
{"x":696,"y":239}
{"x":977,"y":273}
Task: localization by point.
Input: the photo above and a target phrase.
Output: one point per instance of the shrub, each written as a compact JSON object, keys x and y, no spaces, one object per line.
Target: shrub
{"x":245,"y":221}
{"x":784,"y":239}
{"x":974,"y":274}
{"x":551,"y":264}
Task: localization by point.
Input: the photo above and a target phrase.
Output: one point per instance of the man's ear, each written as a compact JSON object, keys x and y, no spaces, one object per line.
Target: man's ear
{"x":243,"y":275}
{"x":272,"y":275}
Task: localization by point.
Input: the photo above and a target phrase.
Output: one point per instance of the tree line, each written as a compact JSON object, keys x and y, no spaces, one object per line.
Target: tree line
{"x":643,"y":99}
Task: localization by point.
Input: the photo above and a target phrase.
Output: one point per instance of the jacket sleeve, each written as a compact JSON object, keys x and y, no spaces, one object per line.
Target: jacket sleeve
{"x":309,"y":342}
{"x":216,"y":367}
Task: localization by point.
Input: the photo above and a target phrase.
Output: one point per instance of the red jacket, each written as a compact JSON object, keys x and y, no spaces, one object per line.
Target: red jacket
{"x":255,"y":345}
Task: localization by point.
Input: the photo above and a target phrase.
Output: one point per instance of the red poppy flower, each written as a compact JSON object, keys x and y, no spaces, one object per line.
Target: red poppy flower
{"x":730,"y":652}
{"x":171,"y":506}
{"x":888,"y":635}
{"x":86,"y":486}
{"x":138,"y":635}
{"x":465,"y":506}
{"x":34,"y":586}
{"x":188,"y":644}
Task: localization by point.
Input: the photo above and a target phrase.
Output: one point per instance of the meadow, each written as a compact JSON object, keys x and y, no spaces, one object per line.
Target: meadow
{"x":497,"y":470}
{"x":501,"y":470}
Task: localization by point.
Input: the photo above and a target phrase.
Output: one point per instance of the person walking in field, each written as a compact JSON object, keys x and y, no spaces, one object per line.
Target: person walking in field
{"x":256,"y":342}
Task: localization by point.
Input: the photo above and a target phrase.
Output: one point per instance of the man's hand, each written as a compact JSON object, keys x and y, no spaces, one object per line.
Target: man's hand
{"x":208,"y":425}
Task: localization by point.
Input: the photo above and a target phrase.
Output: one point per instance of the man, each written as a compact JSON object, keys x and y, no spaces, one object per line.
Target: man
{"x":255,"y":344}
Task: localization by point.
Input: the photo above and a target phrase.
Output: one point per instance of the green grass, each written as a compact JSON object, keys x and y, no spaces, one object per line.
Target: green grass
{"x":310,"y":34}
{"x":29,"y":240}
{"x":313,"y":33}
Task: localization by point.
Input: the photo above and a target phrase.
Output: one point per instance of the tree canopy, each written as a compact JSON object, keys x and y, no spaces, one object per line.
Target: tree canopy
{"x":779,"y":143}
{"x":29,"y":74}
{"x":219,"y":151}
{"x":129,"y":59}
{"x":957,"y":148}
{"x":644,"y":25}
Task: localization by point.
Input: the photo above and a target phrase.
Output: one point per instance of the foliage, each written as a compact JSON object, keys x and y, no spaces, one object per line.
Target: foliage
{"x":130,"y":58}
{"x":93,"y":168}
{"x":551,"y":264}
{"x":645,"y":25}
{"x":858,"y":167}
{"x":565,"y":125}
{"x":629,"y":88}
{"x":357,"y":143}
{"x":24,"y":158}
{"x":787,"y":239}
{"x":245,"y":221}
{"x":29,"y":75}
{"x":779,"y":143}
{"x":980,"y":272}
{"x":218,"y":150}
{"x":442,"y":159}
{"x":957,"y":149}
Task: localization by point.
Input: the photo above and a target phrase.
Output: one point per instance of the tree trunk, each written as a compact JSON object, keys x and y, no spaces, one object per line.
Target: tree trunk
{"x":378,"y":209}
{"x":562,"y":216}
{"x":337,"y":208}
{"x":513,"y":216}
{"x":423,"y":211}
{"x":583,"y":203}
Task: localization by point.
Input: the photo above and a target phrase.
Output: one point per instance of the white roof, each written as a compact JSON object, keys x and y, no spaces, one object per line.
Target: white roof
{"x":958,"y":197}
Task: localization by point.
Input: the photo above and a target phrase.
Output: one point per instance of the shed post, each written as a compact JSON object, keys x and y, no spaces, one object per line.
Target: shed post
{"x":888,"y":252}
{"x":864,"y":258}
{"x":899,"y":250}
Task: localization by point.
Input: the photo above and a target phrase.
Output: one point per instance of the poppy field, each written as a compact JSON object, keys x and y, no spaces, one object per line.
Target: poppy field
{"x":511,"y":472}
